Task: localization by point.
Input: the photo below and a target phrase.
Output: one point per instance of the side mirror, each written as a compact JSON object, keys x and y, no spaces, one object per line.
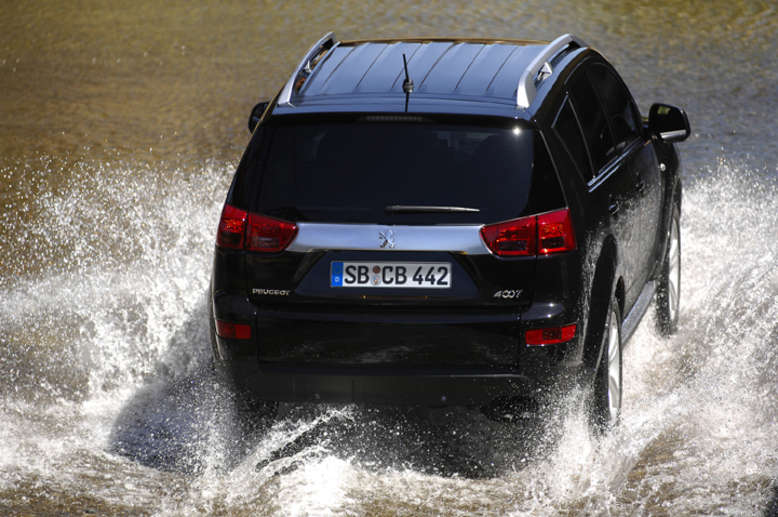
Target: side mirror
{"x":669,"y":123}
{"x":256,"y":114}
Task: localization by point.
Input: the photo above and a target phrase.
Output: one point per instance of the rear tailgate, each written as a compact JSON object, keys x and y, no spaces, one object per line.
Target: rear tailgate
{"x":388,"y":266}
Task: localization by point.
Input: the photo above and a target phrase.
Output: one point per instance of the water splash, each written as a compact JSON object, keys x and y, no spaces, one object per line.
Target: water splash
{"x":105,"y":397}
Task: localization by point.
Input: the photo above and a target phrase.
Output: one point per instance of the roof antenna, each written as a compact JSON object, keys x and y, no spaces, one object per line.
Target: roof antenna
{"x":407,"y":83}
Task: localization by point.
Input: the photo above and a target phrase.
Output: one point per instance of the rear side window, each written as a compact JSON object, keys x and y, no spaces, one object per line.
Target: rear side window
{"x":592,"y":119}
{"x":545,"y":193}
{"x":308,"y":169}
{"x":568,"y":131}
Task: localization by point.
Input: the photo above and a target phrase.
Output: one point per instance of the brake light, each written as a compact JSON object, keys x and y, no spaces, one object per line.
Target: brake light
{"x":239,"y":229}
{"x":555,"y":232}
{"x":511,"y":238}
{"x":542,"y":234}
{"x":268,"y":234}
{"x":232,"y":226}
{"x":550,"y":336}
{"x":230,"y":330}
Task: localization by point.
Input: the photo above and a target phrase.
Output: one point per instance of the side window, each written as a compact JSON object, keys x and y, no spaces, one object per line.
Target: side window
{"x":592,"y":119}
{"x":545,"y":193}
{"x":618,"y":104}
{"x":566,"y":128}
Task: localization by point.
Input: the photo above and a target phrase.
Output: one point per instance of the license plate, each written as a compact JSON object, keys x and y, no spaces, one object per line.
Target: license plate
{"x":427,"y":275}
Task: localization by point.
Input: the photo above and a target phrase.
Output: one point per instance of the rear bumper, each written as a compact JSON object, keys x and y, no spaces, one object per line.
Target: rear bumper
{"x":393,"y":387}
{"x":386,"y":357}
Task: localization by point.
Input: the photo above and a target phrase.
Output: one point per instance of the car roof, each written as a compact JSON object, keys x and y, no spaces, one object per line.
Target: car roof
{"x":450,"y":75}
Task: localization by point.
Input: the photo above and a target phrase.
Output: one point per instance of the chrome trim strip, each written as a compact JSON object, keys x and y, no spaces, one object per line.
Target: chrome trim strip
{"x":603,"y":174}
{"x":286,"y":94}
{"x":527,"y":87}
{"x":367,"y":237}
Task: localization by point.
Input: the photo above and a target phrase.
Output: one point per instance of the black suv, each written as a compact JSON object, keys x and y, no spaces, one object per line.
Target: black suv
{"x":446,"y":221}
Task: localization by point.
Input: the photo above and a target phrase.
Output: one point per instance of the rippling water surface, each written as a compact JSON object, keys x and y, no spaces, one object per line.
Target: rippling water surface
{"x":120,"y":128}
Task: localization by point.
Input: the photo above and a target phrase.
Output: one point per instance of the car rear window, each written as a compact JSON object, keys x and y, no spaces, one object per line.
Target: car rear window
{"x":355,"y":170}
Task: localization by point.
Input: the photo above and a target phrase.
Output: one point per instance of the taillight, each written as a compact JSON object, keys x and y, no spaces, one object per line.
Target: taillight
{"x":254,"y":232}
{"x":543,"y":234}
{"x":232,"y":227}
{"x":268,"y":234}
{"x":555,"y":232}
{"x":230,"y":330}
{"x":550,"y":336}
{"x":511,"y":238}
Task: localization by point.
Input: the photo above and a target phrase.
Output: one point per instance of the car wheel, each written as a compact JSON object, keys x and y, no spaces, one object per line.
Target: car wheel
{"x":606,"y":396}
{"x":668,"y":296}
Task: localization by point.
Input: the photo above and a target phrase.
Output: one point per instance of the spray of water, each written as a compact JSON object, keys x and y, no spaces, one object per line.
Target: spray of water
{"x":108,"y":403}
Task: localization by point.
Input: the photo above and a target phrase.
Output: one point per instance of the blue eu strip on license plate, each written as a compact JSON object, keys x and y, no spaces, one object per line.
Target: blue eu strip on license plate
{"x":337,"y":274}
{"x":425,"y":275}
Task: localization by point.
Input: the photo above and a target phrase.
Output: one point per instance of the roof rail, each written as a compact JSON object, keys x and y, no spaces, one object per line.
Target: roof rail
{"x":304,"y":68}
{"x":540,"y":69}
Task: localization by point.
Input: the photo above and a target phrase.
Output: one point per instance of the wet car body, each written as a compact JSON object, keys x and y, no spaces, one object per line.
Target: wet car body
{"x":549,"y":133}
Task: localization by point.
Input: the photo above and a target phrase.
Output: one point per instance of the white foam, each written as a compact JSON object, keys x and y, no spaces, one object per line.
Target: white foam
{"x":699,"y":431}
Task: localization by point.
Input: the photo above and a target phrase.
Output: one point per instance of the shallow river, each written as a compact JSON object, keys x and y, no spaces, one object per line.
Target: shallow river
{"x":120,"y":128}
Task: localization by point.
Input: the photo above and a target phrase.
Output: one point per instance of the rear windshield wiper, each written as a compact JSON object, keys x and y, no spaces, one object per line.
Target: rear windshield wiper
{"x":425,"y":209}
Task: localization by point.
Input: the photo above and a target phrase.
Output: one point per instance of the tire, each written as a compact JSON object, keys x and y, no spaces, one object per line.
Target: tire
{"x":668,"y":295}
{"x":605,"y":407}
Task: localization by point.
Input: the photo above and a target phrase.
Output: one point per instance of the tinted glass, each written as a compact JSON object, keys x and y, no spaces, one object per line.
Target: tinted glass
{"x":568,"y":131}
{"x":545,"y":193}
{"x":617,"y":102}
{"x":592,"y":119}
{"x":332,"y":171}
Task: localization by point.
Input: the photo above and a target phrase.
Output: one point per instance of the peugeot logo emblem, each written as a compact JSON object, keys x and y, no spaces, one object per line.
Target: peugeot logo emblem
{"x":387,"y":238}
